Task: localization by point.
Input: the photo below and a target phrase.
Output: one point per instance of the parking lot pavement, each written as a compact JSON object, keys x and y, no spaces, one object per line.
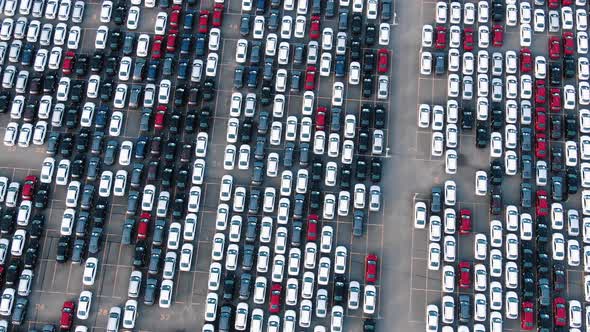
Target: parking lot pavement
{"x":409,"y":169}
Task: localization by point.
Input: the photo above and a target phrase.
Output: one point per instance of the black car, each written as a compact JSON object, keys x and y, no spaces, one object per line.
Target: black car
{"x":356,"y":24}
{"x":496,"y":201}
{"x":376,"y":170}
{"x":42,"y":196}
{"x":208,"y":90}
{"x":370,"y":34}
{"x":555,"y":74}
{"x":571,"y":126}
{"x":482,"y":134}
{"x":100,"y":212}
{"x":556,"y":127}
{"x":139,"y":255}
{"x":112,"y":65}
{"x":81,"y":65}
{"x":97,"y":61}
{"x":63,"y":249}
{"x":572,"y":180}
{"x":239,"y":77}
{"x":106,"y":91}
{"x":204,"y":117}
{"x":496,"y":172}
{"x":367,"y":89}
{"x":339,"y":290}
{"x":559,"y":278}
{"x":37,"y":225}
{"x":228,"y":286}
{"x":569,"y":66}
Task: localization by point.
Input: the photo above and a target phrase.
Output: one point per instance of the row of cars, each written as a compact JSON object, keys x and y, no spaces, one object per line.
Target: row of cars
{"x":527,"y":276}
{"x":256,"y":254}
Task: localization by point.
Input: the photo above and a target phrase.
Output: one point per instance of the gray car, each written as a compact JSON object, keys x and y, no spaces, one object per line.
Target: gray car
{"x":464,"y":308}
{"x":87,"y":196}
{"x":155,"y":258}
{"x":129,"y":44}
{"x":225,"y":318}
{"x":82,"y":223}
{"x":20,"y":310}
{"x":93,"y":168}
{"x":298,"y":206}
{"x":139,"y":69}
{"x":151,"y":288}
{"x":358,"y":222}
{"x":132,"y":202}
{"x":135,"y":96}
{"x":248,"y":257}
{"x":254,"y":201}
{"x":127,"y":232}
{"x":95,"y":239}
{"x":110,"y":152}
{"x":158,"y":236}
{"x":245,"y":285}
{"x":78,"y":251}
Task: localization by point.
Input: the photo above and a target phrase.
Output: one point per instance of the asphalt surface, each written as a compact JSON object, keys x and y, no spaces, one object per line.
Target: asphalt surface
{"x":405,"y":284}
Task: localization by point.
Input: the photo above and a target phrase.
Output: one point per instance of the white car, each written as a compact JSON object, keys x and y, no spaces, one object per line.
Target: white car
{"x":557,"y":216}
{"x":427,"y":35}
{"x":525,"y":35}
{"x":511,"y":275}
{"x":573,"y":253}
{"x":369,"y":299}
{"x":84,"y":303}
{"x":432,"y":315}
{"x":441,"y":12}
{"x":481,"y":183}
{"x":558,"y":246}
{"x":90,"y":269}
{"x":448,"y":279}
{"x":161,"y":23}
{"x":133,"y":17}
{"x":480,"y":247}
{"x":338,"y":94}
{"x":449,"y":249}
{"x":480,"y":280}
{"x":102,"y":33}
{"x":437,"y":144}
{"x":448,"y":309}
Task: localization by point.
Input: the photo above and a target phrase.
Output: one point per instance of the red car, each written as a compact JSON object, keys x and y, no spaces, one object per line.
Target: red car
{"x":541,"y":146}
{"x":559,"y":311}
{"x":312,"y":227}
{"x":498,"y":36}
{"x":554,"y":48}
{"x":465,"y":222}
{"x":382,"y":61}
{"x":542,"y":206}
{"x":567,"y":2}
{"x":315,"y":28}
{"x":171,"y":43}
{"x":67,"y":316}
{"x":527,"y":316}
{"x":174,"y":17}
{"x":371,"y":268}
{"x":553,"y":4}
{"x":310,"y":78}
{"x":540,"y":92}
{"x":29,"y":188}
{"x":555,"y":101}
{"x":143,"y":226}
{"x":69,"y":61}
{"x":320,"y":118}
{"x":568,"y":43}
{"x":441,"y":37}
{"x":526,"y":60}
{"x":464,"y":274}
{"x":160,"y":118}
{"x":204,"y":21}
{"x":157,"y":47}
{"x":540,"y":120}
{"x":217,"y":15}
{"x":274,"y":304}
{"x":468,"y":39}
